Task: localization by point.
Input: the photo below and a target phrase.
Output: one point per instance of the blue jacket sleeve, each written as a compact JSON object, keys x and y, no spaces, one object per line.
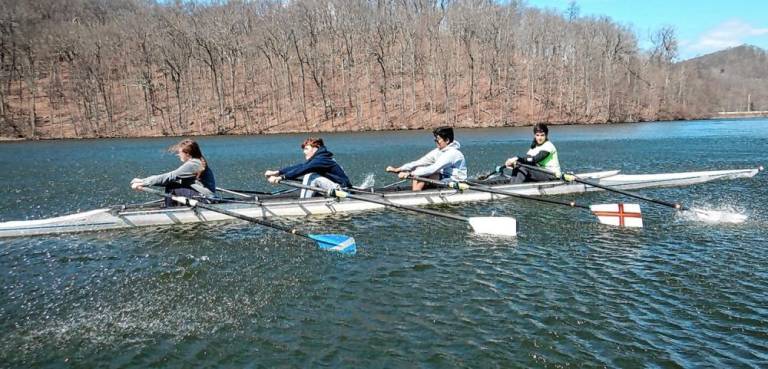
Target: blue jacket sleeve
{"x":295,"y":171}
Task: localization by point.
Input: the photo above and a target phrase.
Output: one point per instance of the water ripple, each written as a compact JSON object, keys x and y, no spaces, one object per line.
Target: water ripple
{"x":421,"y":292}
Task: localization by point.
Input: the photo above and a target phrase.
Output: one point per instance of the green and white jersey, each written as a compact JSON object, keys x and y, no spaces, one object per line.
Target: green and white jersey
{"x":550,"y":161}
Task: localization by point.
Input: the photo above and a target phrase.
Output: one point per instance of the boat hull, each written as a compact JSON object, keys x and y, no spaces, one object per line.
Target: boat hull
{"x":119,"y":218}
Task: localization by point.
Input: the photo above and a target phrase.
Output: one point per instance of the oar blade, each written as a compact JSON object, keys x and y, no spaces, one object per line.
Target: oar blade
{"x":335,"y":242}
{"x":621,"y":215}
{"x":499,"y":226}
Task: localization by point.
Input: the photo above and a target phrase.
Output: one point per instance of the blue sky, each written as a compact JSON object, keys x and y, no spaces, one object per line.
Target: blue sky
{"x":701,"y":26}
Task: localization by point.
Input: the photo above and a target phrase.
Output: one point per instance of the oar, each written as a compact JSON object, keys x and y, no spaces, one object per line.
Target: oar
{"x":572,"y":178}
{"x":393,"y":184}
{"x":251,"y":192}
{"x":236,"y":193}
{"x":330,"y":242}
{"x":498,"y":170}
{"x":624,"y":215}
{"x":504,"y":226}
{"x":371,"y":192}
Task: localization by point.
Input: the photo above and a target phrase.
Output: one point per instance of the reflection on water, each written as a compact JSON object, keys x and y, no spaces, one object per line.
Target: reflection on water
{"x":679,"y":292}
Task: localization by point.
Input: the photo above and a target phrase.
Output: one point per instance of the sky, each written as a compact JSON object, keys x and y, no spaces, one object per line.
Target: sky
{"x":701,"y":27}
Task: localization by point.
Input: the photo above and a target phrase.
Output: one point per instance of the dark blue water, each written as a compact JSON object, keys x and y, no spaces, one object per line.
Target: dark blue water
{"x":421,"y":292}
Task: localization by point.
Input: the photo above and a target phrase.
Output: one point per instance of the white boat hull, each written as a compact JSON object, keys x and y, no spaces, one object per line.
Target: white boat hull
{"x":114,"y":218}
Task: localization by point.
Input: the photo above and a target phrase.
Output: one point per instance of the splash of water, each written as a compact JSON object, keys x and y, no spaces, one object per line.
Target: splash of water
{"x":369,"y":181}
{"x":715,"y":215}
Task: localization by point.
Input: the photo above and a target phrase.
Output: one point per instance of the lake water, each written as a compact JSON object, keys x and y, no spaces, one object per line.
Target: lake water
{"x":421,"y":291}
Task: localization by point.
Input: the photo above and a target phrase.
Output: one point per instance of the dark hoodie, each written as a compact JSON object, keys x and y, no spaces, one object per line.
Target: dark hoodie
{"x":321,"y":163}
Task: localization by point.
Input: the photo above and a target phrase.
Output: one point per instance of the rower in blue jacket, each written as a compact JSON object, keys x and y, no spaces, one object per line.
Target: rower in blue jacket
{"x":320,"y":169}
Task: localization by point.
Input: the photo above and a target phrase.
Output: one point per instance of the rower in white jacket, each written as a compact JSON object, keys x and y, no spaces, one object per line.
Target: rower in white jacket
{"x":445,"y":163}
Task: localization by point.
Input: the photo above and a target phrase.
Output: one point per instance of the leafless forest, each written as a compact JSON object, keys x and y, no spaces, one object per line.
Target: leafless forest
{"x":101,"y":68}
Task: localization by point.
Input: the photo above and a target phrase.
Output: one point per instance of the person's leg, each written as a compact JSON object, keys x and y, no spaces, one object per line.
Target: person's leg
{"x":519,"y":175}
{"x":324,"y":183}
{"x":307,"y":181}
{"x":316,"y":180}
{"x":418,"y":185}
{"x":536,"y":176}
{"x":168,"y":202}
{"x":179,"y":191}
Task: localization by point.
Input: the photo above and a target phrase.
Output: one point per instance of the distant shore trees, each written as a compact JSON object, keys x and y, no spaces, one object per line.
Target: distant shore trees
{"x":92,"y":68}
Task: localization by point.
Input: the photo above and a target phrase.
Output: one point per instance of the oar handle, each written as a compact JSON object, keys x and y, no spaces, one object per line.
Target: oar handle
{"x":497,"y":170}
{"x":195,"y":203}
{"x":452,"y":184}
{"x":384,"y":202}
{"x":573,"y":178}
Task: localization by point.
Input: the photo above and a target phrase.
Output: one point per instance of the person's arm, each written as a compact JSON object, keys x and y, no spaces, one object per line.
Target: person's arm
{"x":441,"y":162}
{"x":425,"y":160}
{"x":528,"y":159}
{"x":275,"y":176}
{"x":189,"y":169}
{"x":295,"y":171}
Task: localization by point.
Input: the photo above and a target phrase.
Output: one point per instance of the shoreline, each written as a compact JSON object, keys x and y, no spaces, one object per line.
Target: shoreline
{"x":741,"y":114}
{"x":734,"y":116}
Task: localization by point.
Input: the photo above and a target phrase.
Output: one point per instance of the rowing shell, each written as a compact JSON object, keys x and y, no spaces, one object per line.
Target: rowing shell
{"x":119,"y":217}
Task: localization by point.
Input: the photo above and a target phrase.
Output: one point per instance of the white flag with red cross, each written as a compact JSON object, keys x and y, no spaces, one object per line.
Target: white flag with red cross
{"x":622,"y":215}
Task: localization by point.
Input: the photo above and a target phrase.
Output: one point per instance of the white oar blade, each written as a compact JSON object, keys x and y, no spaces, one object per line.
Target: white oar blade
{"x":335,"y":242}
{"x":621,"y":215}
{"x":499,"y":226}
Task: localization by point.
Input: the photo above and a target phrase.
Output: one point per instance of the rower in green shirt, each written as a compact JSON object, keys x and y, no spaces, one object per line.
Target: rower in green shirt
{"x":542,"y":153}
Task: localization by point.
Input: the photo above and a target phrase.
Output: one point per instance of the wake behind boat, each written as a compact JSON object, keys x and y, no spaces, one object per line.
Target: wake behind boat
{"x":130,"y":216}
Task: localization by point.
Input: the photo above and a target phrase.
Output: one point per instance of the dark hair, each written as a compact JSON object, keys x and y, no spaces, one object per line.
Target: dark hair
{"x":540,"y":127}
{"x":191,"y":148}
{"x":314,"y":142}
{"x":445,"y":132}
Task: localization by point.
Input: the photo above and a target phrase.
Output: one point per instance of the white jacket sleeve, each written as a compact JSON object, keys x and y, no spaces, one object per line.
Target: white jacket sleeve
{"x":425,"y":160}
{"x":446,"y":159}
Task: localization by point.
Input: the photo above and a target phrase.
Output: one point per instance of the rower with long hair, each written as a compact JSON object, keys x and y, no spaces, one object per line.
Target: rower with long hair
{"x":542,"y":153}
{"x":193,"y":179}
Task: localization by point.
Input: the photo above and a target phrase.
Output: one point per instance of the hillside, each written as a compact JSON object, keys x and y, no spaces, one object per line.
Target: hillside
{"x":733,"y":78}
{"x":70,"y":69}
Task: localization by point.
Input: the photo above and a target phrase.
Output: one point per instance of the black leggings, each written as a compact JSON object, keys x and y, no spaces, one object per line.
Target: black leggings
{"x":182,"y":191}
{"x":520,"y":175}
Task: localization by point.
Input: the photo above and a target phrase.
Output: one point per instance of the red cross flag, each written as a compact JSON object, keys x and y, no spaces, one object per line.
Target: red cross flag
{"x":622,"y":215}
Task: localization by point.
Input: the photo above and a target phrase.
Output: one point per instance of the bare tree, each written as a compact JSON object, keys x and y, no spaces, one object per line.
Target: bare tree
{"x":94,"y":68}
